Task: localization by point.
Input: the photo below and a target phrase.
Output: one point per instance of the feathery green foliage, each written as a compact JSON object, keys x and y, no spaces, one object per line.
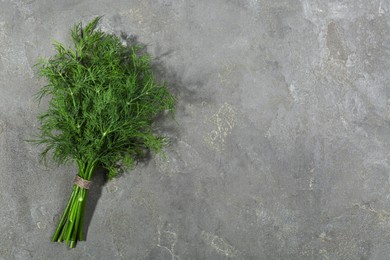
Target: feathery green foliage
{"x":103,"y":101}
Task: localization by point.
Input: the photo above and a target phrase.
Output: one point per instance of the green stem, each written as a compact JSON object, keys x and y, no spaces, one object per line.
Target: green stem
{"x":62,"y":220}
{"x":70,"y":226}
{"x":72,"y":217}
{"x":80,"y":234}
{"x":75,"y":231}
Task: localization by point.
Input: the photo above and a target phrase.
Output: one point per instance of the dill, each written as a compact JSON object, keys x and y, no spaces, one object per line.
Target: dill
{"x":103,"y":102}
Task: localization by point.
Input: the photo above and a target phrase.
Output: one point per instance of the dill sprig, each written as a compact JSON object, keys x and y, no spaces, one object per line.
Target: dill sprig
{"x":103,"y":102}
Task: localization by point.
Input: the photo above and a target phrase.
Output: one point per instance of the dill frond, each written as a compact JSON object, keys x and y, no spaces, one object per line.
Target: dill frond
{"x":103,"y":102}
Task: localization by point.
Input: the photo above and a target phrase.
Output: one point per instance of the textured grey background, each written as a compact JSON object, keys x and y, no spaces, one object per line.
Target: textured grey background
{"x":280,"y":150}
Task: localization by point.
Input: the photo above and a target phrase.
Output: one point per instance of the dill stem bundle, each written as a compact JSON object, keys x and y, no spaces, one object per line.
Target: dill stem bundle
{"x":103,"y":101}
{"x":70,"y":227}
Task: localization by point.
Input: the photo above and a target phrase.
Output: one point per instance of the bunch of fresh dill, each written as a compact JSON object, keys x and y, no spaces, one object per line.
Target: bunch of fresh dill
{"x":103,"y":101}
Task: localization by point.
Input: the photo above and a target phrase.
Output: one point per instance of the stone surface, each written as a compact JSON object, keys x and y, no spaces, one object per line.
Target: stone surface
{"x":281,"y":144}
